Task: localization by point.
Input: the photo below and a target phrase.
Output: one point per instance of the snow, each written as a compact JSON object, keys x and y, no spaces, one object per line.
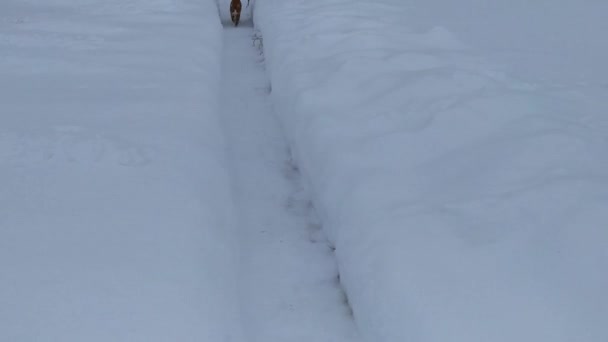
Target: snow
{"x":387,"y":171}
{"x":116,"y":219}
{"x":456,"y":159}
{"x":553,"y":42}
{"x":289,"y":289}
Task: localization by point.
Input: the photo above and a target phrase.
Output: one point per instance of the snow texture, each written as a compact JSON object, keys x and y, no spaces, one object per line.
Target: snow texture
{"x":116,"y":216}
{"x":444,"y":171}
{"x":289,"y":286}
{"x":456,"y":155}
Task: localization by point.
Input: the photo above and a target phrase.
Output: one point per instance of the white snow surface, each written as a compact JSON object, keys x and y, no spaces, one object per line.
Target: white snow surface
{"x":453,"y":153}
{"x":116,"y":215}
{"x":456,"y":155}
{"x":289,"y":287}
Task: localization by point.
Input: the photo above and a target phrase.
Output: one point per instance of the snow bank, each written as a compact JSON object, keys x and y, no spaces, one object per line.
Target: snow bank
{"x":464,"y":204}
{"x":115,"y":213}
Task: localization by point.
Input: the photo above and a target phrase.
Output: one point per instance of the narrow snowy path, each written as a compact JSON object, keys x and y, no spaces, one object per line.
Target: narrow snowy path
{"x":290,"y":290}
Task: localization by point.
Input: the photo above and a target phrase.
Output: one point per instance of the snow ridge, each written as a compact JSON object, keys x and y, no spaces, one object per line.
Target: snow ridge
{"x":465,"y":204}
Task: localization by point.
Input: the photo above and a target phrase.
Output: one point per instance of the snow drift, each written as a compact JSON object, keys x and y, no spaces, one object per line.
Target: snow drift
{"x":465,"y":203}
{"x":115,"y":213}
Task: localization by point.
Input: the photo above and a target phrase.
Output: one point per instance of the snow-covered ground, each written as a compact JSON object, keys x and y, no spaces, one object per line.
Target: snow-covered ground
{"x":456,"y":154}
{"x":116,"y":219}
{"x":436,"y":171}
{"x":554,"y":42}
{"x":289,"y":285}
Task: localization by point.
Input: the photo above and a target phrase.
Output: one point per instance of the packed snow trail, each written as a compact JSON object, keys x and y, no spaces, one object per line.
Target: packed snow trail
{"x":290,"y":286}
